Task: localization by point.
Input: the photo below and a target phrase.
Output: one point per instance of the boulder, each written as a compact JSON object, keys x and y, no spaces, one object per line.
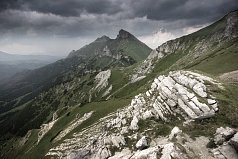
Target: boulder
{"x":118,"y":140}
{"x":124,"y":130}
{"x":147,"y":114}
{"x":175,"y":131}
{"x":223,"y":134}
{"x":211,"y":101}
{"x":142,"y":143}
{"x":103,"y":153}
{"x":134,"y":123}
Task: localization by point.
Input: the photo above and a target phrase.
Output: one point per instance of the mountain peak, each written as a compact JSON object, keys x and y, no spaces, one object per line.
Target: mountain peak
{"x":123,"y":34}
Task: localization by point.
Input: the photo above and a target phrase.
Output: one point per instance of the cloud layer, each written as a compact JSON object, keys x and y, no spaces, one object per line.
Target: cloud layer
{"x":32,"y":22}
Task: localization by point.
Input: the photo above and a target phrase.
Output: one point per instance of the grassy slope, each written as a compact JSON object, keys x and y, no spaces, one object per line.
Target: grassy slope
{"x":100,"y":109}
{"x":131,"y":48}
{"x":221,"y":60}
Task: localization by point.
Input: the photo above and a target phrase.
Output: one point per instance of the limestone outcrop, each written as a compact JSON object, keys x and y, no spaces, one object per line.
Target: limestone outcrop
{"x":180,"y":94}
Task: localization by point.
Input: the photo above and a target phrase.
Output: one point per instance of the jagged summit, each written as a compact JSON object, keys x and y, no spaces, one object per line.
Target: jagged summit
{"x":113,"y":46}
{"x":123,"y":34}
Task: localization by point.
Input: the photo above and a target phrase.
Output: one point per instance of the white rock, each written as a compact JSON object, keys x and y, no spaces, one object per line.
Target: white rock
{"x":118,"y":140}
{"x":134,"y":123}
{"x":223,"y":134}
{"x":150,"y":153}
{"x":168,"y":82}
{"x":175,"y":131}
{"x":147,"y":114}
{"x":124,"y":130}
{"x":211,"y":101}
{"x":228,"y":151}
{"x":147,"y":93}
{"x":214,"y":107}
{"x":171,"y":103}
{"x":136,"y":79}
{"x":192,"y":83}
{"x":102,"y":79}
{"x":158,"y":109}
{"x":200,"y":105}
{"x":107,"y":91}
{"x":103,"y":153}
{"x":200,"y":89}
{"x":123,"y":121}
{"x":142,"y":143}
{"x":153,"y":86}
{"x":169,"y":151}
{"x":73,"y":125}
{"x":188,"y":111}
{"x":124,"y":154}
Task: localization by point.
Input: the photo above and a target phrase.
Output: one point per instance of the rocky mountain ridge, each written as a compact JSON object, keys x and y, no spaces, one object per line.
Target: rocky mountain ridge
{"x":99,"y":55}
{"x":223,"y":31}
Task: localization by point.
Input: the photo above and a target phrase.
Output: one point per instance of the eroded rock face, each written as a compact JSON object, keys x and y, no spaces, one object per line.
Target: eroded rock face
{"x":179,"y":93}
{"x":46,"y":127}
{"x":73,"y":125}
{"x":102,"y":79}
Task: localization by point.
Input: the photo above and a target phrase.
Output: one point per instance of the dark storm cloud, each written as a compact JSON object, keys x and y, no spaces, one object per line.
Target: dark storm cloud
{"x":63,"y":7}
{"x":193,"y":12}
{"x":88,"y":19}
{"x":9,"y":4}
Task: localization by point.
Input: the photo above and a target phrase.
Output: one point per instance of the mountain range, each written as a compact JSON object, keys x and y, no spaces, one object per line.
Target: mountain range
{"x":117,"y":98}
{"x":14,"y":63}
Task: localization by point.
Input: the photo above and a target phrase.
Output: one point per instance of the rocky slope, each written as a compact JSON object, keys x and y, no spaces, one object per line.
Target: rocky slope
{"x":176,"y":96}
{"x":199,"y":46}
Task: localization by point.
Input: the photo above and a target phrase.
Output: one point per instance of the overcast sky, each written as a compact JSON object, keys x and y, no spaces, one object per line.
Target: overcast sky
{"x":56,"y":27}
